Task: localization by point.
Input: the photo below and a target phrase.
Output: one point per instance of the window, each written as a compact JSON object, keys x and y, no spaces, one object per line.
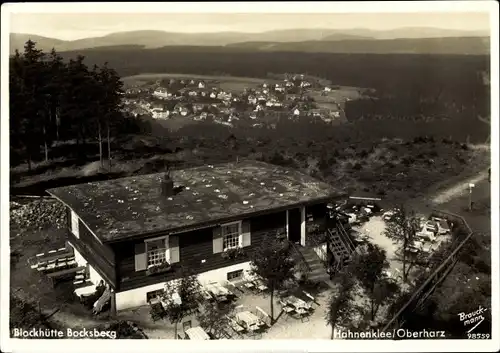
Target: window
{"x":154,"y":294}
{"x":157,"y":251}
{"x":234,"y":275}
{"x":74,"y":224}
{"x":231,"y":235}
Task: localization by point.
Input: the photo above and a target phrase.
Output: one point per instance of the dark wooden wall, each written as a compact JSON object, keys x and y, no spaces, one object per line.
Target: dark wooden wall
{"x":194,"y":247}
{"x":100,"y":256}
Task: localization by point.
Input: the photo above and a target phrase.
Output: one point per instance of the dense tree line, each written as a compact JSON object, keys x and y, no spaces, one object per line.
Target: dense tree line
{"x":52,"y":100}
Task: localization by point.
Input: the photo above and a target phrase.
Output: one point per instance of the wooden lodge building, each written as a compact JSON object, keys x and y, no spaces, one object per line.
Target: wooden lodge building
{"x":136,"y":233}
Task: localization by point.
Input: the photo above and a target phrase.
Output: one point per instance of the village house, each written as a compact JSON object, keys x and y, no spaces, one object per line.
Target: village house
{"x":213,"y":95}
{"x":279,"y":88}
{"x":162,"y":93}
{"x":296,"y":111}
{"x":259,"y":108}
{"x":199,"y":106}
{"x":160,"y":113}
{"x":223,"y":95}
{"x":201,"y":85}
{"x":252,"y":99}
{"x":135,"y":234}
{"x":184,"y":111}
{"x":201,"y":117}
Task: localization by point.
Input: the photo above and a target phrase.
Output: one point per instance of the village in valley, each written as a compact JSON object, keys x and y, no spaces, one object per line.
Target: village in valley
{"x":295,"y":97}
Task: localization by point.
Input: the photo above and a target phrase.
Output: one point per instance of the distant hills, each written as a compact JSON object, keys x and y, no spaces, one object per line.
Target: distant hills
{"x":449,"y":46}
{"x":358,"y":40}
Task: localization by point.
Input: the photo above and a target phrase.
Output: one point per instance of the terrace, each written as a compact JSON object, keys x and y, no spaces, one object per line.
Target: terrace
{"x":253,"y":304}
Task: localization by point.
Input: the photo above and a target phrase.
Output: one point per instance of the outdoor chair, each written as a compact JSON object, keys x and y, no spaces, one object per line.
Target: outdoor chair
{"x":302,"y":314}
{"x":260,"y":286}
{"x":186,"y":325}
{"x":255,"y":331}
{"x":237,"y":329}
{"x":288,"y":310}
{"x":311,"y":300}
{"x":264,"y":316}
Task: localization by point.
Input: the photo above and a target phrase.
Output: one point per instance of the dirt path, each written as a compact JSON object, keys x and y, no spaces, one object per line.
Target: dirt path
{"x":459,"y":189}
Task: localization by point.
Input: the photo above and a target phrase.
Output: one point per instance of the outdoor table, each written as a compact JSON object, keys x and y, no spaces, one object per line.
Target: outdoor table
{"x":206,"y":295}
{"x":218,"y":290}
{"x":261,"y":286}
{"x":249,"y":285}
{"x":296,"y":302}
{"x":197,"y":333}
{"x":248,"y":318}
{"x":85,"y":290}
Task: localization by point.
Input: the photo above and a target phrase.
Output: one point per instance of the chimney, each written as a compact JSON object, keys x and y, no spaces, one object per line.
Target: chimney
{"x":167,"y":185}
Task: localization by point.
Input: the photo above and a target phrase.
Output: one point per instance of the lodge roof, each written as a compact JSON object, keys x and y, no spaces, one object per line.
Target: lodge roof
{"x":120,"y":209}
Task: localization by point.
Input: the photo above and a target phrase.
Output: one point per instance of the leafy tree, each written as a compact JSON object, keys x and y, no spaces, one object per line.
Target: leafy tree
{"x":340,"y":306}
{"x":403,"y":228}
{"x":462,"y":291}
{"x":214,"y":317}
{"x":369,"y":268}
{"x":385,"y":292}
{"x":187,"y":288}
{"x":273,"y":263}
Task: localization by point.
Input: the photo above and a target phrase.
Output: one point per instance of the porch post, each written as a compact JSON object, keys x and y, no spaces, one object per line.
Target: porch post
{"x":113,"y":303}
{"x":303,"y":226}
{"x":286,"y":225}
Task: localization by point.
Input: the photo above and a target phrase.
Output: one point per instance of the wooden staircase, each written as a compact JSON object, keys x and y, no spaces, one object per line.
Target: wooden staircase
{"x":316,"y":268}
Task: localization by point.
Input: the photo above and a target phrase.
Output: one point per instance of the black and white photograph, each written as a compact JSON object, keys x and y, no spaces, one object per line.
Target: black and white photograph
{"x":306,"y":176}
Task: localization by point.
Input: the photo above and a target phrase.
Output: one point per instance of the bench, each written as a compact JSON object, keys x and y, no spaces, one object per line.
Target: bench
{"x":63,"y":273}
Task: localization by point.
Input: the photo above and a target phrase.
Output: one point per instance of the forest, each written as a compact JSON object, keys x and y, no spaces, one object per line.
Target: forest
{"x":53,"y":101}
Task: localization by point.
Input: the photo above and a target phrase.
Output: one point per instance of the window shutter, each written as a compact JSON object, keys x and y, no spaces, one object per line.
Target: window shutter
{"x":174,"y":249}
{"x":75,"y":229}
{"x":140,"y":256}
{"x":217,"y":240}
{"x":246,"y":234}
{"x":68,"y":217}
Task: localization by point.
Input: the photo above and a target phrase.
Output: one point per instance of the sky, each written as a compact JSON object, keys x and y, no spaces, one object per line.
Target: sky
{"x":71,"y":26}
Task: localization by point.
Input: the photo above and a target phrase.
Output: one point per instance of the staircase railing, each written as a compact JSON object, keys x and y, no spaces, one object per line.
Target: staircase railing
{"x":346,"y":239}
{"x":304,"y":266}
